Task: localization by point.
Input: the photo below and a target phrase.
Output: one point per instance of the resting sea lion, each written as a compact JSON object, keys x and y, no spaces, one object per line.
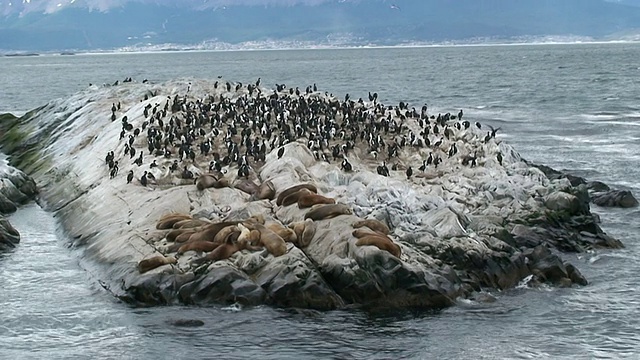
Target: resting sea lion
{"x":167,"y":221}
{"x":249,"y":237}
{"x":272,"y":241}
{"x":266,"y":190}
{"x":305,"y":231}
{"x":294,"y":189}
{"x":190,"y":223}
{"x":205,"y":246}
{"x":285,"y":233}
{"x":154,"y":262}
{"x":205,"y":181}
{"x":373,"y":224}
{"x":293,"y":197}
{"x":209,"y":232}
{"x":360,"y":233}
{"x":225,"y":233}
{"x":382,"y":243}
{"x":246,"y":186}
{"x":184,"y":236}
{"x":309,"y":199}
{"x":173,"y":234}
{"x":225,"y":250}
{"x":321,"y":212}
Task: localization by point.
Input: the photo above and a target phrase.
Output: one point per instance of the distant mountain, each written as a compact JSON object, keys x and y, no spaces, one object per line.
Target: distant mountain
{"x":338,"y":22}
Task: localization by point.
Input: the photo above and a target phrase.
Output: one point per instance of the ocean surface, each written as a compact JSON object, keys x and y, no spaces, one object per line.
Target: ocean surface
{"x":573,"y":107}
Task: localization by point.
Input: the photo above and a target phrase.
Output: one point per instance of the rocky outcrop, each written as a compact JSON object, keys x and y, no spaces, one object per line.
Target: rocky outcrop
{"x":600,"y":194}
{"x":16,"y":189}
{"x":480,"y":217}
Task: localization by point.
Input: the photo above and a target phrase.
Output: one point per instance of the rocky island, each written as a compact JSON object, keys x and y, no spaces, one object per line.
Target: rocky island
{"x":211,"y":191}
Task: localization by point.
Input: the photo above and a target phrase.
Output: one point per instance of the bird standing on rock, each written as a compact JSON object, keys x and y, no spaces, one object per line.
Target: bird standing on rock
{"x":409,"y":172}
{"x":130,"y":177}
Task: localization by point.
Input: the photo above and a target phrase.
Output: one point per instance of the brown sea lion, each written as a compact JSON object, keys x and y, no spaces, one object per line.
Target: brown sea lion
{"x":285,"y":233}
{"x":222,"y":252}
{"x":294,"y":189}
{"x":373,"y":224}
{"x":321,"y":212}
{"x":382,"y":243}
{"x":205,"y":181}
{"x":167,"y":221}
{"x":266,"y":190}
{"x":186,"y":235}
{"x":360,"y":233}
{"x":172,"y":215}
{"x":270,"y":240}
{"x":171,"y":235}
{"x":221,"y":183}
{"x":246,"y":186}
{"x":190,"y":223}
{"x":305,"y":231}
{"x":309,"y":199}
{"x":293,"y":197}
{"x":154,"y":262}
{"x":249,"y":237}
{"x":225,"y":233}
{"x":205,"y":246}
{"x":209,"y":232}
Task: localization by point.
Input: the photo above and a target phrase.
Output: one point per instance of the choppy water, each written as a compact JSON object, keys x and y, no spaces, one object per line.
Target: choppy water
{"x":574,"y":107}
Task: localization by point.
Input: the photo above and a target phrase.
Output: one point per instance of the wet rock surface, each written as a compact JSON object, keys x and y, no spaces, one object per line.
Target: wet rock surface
{"x":16,"y":188}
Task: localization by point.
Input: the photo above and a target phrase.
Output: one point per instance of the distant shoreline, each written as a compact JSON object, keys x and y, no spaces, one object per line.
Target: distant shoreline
{"x":171,"y":48}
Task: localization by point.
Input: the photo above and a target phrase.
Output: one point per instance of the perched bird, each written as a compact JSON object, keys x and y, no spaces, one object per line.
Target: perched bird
{"x":346,"y":165}
{"x":130,"y":177}
{"x":409,"y":172}
{"x":499,"y":156}
{"x":280,"y":152}
{"x":143,"y":179}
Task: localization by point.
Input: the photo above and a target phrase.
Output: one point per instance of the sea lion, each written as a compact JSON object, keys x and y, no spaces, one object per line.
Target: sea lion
{"x":249,"y":237}
{"x":190,"y":223}
{"x":209,"y":232}
{"x":327,"y":211}
{"x":266,"y":190}
{"x":222,"y":182}
{"x":225,"y":250}
{"x":173,"y":234}
{"x":167,"y":221}
{"x":309,"y":199}
{"x":205,"y":246}
{"x":305,"y":231}
{"x":360,"y":233}
{"x":272,"y":241}
{"x":185,"y":236}
{"x":293,"y":197}
{"x":373,"y":224}
{"x":382,"y":243}
{"x":246,"y":186}
{"x":205,"y":181}
{"x":287,"y":234}
{"x":294,"y":189}
{"x":224,"y":233}
{"x":154,"y":262}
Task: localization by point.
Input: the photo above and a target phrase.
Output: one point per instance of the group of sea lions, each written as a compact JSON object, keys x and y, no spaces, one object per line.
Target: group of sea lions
{"x":220,"y":240}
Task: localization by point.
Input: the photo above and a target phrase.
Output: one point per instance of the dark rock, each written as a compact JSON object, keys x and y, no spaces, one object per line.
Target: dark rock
{"x":7,"y":206}
{"x":222,"y":285}
{"x":597,"y":186}
{"x":575,"y":275}
{"x":9,"y":236}
{"x":614,"y":198}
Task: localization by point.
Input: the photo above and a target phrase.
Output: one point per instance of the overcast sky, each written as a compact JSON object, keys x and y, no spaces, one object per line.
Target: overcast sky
{"x":24,"y":6}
